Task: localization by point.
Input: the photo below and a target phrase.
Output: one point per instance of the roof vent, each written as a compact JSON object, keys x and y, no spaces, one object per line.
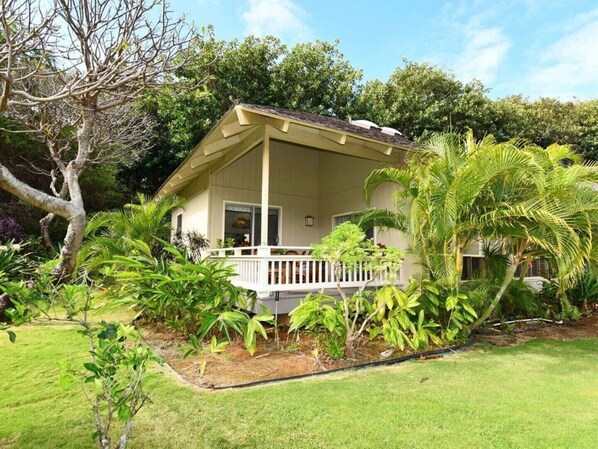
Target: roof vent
{"x":391,"y":131}
{"x":365,"y":124}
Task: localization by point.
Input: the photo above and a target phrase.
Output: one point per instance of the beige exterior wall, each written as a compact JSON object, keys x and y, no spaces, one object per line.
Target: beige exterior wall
{"x":195,"y":211}
{"x":293,"y":188}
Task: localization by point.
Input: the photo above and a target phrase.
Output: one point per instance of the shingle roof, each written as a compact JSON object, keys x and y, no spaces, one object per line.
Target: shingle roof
{"x":336,"y":124}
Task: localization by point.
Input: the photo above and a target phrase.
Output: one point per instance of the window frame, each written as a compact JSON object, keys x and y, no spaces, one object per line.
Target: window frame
{"x":254,"y":206}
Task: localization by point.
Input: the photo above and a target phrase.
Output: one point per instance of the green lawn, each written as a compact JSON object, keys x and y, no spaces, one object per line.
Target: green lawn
{"x":543,"y":394}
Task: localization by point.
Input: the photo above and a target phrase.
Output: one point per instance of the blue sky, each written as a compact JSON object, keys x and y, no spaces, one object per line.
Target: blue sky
{"x":537,"y":48}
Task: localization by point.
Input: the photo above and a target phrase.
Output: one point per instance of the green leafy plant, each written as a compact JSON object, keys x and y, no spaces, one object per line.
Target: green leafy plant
{"x":197,"y":347}
{"x":14,"y":262}
{"x":345,"y":248}
{"x":585,"y":292}
{"x":528,"y":200}
{"x":193,"y":243}
{"x":191,"y":298}
{"x":228,"y":242}
{"x":115,"y":376}
{"x":450,"y":309}
{"x":114,"y":379}
{"x":28,"y":299}
{"x":109,"y":234}
{"x":395,"y":311}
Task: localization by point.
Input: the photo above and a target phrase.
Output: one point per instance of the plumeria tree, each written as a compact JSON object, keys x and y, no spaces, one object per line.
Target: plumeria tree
{"x":70,"y":72}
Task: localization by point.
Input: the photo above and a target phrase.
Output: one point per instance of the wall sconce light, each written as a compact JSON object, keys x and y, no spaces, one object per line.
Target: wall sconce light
{"x":309,"y":221}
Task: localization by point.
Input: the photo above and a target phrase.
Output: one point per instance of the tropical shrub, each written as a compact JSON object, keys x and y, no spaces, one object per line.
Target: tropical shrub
{"x":420,"y":315}
{"x":425,"y":312}
{"x":322,"y":316}
{"x":351,"y":316}
{"x":191,"y":298}
{"x":519,"y":300}
{"x":399,"y":322}
{"x":451,"y":309}
{"x":108,"y":234}
{"x":585,"y":292}
{"x":530,"y":201}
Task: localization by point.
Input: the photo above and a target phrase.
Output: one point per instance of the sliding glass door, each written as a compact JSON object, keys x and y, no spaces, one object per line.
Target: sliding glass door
{"x":242,"y":224}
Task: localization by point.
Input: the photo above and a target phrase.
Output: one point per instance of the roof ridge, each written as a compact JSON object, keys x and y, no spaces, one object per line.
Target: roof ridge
{"x":336,"y":124}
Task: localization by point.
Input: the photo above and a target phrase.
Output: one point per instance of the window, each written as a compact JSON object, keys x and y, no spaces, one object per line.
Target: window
{"x":535,"y":268}
{"x":352,"y":217}
{"x":242,"y":223}
{"x":472,"y":266}
{"x":179,"y":224}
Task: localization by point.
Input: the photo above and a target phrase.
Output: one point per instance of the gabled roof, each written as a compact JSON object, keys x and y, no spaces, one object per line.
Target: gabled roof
{"x":243,"y":127}
{"x":338,"y":124}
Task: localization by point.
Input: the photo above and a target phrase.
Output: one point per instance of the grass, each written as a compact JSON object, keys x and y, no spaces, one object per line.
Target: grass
{"x":543,"y":394}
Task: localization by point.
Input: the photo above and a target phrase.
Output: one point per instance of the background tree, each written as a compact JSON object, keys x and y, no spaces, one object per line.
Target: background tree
{"x":74,"y":68}
{"x":421,"y":98}
{"x":311,"y":77}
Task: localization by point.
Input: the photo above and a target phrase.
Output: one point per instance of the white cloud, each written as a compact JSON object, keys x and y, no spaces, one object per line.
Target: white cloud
{"x":281,"y":18}
{"x":570,"y":64}
{"x":483,"y":53}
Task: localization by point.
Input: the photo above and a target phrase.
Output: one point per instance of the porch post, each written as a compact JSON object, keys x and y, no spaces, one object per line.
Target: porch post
{"x":263,"y":251}
{"x":265,"y":185}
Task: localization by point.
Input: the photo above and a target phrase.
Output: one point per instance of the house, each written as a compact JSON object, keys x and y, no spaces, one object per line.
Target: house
{"x":307,"y":172}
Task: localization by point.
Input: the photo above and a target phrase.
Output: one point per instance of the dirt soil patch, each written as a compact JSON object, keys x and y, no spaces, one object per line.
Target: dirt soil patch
{"x":586,"y":327}
{"x":291,"y":356}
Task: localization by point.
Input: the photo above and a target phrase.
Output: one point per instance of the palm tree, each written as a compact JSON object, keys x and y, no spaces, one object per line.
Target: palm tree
{"x":456,"y":190}
{"x":441,"y":191}
{"x":110,"y":233}
{"x":555,"y":221}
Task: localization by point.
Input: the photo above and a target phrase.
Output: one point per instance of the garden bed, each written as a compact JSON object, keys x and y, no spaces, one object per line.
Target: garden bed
{"x":291,"y":356}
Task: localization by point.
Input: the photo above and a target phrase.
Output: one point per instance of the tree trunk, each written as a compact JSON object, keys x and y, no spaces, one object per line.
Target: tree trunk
{"x":510,"y":274}
{"x":5,"y":303}
{"x":72,"y":210}
{"x":350,"y":346}
{"x":124,"y":439}
{"x":44,"y":225}
{"x":76,"y":229}
{"x":72,"y":244}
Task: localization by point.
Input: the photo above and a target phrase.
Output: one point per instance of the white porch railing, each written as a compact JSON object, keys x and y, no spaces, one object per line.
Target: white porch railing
{"x":274,"y":269}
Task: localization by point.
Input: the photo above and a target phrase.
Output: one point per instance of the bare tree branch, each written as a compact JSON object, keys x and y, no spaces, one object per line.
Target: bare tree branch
{"x":70,"y":72}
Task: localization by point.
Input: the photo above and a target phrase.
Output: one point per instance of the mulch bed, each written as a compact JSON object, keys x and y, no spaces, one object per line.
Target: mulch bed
{"x":293,"y":356}
{"x":586,"y":327}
